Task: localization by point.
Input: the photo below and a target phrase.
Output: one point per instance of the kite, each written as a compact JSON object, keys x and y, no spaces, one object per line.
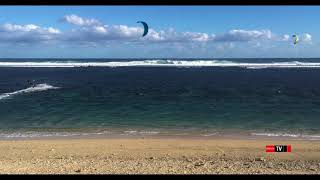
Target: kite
{"x":295,"y":39}
{"x":146,"y":28}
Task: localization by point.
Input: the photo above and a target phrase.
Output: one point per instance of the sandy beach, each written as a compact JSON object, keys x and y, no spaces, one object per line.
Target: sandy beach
{"x":156,"y":156}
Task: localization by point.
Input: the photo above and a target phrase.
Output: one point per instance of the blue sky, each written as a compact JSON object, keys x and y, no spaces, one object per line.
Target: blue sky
{"x":175,"y":31}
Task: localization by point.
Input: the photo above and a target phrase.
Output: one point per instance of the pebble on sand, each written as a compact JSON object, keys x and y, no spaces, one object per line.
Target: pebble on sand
{"x":260,"y":159}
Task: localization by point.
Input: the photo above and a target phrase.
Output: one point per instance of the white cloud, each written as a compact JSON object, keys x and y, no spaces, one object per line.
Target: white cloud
{"x":27,"y":28}
{"x":171,"y":35}
{"x":286,"y":37}
{"x":27,"y":33}
{"x":76,"y":20}
{"x":94,"y":31}
{"x":123,"y":32}
{"x":104,"y":33}
{"x":91,"y":31}
{"x":244,"y":35}
{"x":306,"y":38}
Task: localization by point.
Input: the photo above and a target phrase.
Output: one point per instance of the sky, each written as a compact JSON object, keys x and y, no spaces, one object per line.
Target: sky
{"x":174,"y":31}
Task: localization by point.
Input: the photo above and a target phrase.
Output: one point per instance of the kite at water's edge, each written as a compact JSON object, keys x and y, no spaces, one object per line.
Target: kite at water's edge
{"x":146,"y":28}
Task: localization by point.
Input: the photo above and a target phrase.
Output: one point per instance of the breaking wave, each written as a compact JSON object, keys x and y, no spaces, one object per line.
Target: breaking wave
{"x":36,"y":88}
{"x":35,"y":134}
{"x":302,"y":136}
{"x":165,"y":63}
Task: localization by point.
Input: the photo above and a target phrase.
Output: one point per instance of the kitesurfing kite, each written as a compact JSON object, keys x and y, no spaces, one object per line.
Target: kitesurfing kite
{"x":146,"y":28}
{"x":295,"y":39}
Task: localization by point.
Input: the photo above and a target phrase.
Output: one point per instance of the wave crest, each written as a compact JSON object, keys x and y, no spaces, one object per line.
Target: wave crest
{"x":36,"y":88}
{"x":165,"y":63}
{"x":310,"y":137}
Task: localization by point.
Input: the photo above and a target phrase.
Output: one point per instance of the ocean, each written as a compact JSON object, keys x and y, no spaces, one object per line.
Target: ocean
{"x":148,"y":97}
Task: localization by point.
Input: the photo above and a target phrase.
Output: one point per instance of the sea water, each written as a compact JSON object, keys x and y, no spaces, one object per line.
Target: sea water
{"x":202,"y":97}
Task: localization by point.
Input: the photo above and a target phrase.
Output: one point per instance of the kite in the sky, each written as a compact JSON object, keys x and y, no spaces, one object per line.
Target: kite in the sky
{"x":295,"y":39}
{"x":146,"y":28}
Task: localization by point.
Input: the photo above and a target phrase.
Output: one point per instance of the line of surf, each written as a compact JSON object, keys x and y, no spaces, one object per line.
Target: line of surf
{"x":36,"y":88}
{"x":165,"y":63}
{"x":291,"y":135}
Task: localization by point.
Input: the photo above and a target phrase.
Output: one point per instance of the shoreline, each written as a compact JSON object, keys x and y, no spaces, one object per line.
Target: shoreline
{"x":163,"y":136}
{"x":156,"y":155}
{"x":90,"y":133}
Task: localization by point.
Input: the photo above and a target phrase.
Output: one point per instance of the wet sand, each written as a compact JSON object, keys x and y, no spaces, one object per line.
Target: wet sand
{"x":151,"y":155}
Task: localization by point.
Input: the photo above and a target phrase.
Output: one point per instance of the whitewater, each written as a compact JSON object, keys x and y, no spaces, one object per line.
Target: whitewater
{"x":165,"y":63}
{"x":36,"y":88}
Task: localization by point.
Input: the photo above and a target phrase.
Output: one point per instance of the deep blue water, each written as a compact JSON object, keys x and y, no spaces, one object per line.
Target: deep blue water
{"x":199,"y":100}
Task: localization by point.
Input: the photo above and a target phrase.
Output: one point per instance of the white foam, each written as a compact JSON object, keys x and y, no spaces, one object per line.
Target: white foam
{"x":34,"y":134}
{"x":314,"y":137}
{"x":149,"y":132}
{"x":165,"y":63}
{"x":38,"y":87}
{"x":141,"y":132}
{"x":211,"y":134}
{"x":130,"y":132}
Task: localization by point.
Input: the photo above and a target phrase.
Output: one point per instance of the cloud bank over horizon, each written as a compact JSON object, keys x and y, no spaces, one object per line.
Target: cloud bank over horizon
{"x":93,"y":31}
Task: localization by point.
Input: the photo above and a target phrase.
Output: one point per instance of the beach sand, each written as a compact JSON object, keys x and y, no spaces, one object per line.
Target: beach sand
{"x":151,"y":155}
